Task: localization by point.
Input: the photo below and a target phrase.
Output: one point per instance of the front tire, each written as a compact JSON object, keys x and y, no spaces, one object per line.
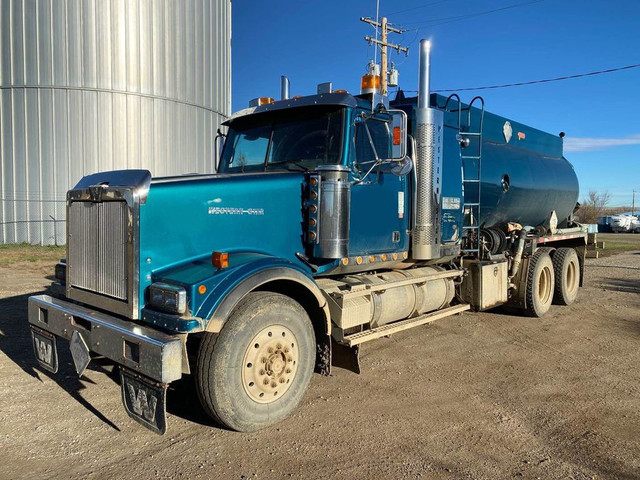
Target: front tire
{"x":566,"y":268}
{"x":540,"y":284}
{"x":257,"y":369}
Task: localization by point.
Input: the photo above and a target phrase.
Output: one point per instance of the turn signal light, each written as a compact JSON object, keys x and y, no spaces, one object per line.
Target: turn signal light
{"x":396,"y":135}
{"x":220,"y":259}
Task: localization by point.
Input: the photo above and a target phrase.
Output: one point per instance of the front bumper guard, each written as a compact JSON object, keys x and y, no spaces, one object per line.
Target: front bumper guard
{"x":144,"y":350}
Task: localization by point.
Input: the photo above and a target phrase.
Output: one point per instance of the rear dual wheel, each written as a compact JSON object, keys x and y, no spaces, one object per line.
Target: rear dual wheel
{"x":257,"y":369}
{"x":540,"y":284}
{"x":566,"y":267}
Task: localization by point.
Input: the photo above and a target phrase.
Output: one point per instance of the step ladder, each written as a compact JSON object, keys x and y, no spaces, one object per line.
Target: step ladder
{"x":470,"y":137}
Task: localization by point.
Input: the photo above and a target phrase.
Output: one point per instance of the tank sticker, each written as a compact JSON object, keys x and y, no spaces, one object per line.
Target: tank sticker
{"x":521,"y":136}
{"x":507,"y":131}
{"x":235,"y":211}
{"x":451,"y":203}
{"x":400,"y":204}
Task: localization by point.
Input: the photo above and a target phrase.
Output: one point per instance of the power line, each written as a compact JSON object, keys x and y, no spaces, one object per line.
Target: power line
{"x":416,"y":8}
{"x":532,"y":82}
{"x":442,"y":21}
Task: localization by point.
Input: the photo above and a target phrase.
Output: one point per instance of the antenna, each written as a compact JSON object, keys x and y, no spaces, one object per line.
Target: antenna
{"x":385,"y":29}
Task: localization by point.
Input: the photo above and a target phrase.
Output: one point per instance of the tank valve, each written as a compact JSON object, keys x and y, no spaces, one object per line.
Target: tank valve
{"x":463,"y":141}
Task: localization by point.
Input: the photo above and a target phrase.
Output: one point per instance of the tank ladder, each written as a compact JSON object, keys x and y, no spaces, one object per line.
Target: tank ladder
{"x":470,"y":139}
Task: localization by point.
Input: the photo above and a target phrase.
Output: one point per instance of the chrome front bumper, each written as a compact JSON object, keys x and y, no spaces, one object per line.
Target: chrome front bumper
{"x":145,"y":350}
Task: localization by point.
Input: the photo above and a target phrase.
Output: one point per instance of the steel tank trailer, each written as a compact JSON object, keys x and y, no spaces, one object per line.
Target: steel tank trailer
{"x":522,"y":177}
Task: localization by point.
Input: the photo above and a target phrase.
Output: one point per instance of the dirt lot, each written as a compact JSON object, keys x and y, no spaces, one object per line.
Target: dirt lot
{"x":485,"y":395}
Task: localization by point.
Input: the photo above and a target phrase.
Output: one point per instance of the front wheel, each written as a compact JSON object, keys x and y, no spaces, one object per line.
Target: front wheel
{"x":257,"y":369}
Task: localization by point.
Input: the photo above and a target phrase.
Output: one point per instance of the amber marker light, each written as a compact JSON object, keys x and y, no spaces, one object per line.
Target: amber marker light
{"x":314,"y":181}
{"x":220,"y":259}
{"x":358,"y":260}
{"x":202,"y":289}
{"x":372,"y":259}
{"x":369,"y":83}
{"x":384,"y":256}
{"x":345,"y":261}
{"x":396,"y":135}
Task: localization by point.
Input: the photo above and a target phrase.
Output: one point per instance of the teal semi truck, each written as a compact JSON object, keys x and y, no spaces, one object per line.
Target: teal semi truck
{"x":333,"y":220}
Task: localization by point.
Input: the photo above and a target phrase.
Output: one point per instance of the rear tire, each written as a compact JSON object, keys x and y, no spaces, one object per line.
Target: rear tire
{"x":566,"y":267}
{"x":257,"y":369}
{"x":540,"y":284}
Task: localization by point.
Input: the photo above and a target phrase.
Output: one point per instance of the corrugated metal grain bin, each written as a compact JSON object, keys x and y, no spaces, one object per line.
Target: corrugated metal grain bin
{"x":99,"y":85}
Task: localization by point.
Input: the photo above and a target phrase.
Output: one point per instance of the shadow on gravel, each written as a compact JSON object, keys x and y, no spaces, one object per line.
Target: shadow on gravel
{"x":183,"y":402}
{"x":16,"y":344}
{"x":622,"y":285}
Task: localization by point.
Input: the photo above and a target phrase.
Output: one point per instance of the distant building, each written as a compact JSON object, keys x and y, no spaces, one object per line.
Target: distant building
{"x":91,"y":86}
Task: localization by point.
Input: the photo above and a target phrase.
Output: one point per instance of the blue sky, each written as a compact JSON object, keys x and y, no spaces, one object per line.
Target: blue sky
{"x":314,"y":42}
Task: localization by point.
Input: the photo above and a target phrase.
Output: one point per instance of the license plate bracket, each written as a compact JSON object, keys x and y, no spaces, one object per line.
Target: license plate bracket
{"x":145,"y":400}
{"x":45,"y":349}
{"x":79,"y":352}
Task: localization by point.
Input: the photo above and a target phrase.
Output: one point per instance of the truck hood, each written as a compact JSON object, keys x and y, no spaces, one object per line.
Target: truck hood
{"x":187,"y":218}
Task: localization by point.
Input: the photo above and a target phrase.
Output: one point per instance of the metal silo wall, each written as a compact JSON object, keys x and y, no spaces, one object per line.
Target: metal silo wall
{"x":92,"y":85}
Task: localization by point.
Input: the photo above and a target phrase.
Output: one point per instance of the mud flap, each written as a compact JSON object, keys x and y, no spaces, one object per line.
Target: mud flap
{"x":45,"y":349}
{"x":345,"y":356}
{"x":145,"y":400}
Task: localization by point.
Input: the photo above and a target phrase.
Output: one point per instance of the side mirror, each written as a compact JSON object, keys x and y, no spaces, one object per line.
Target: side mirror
{"x":217,"y":144}
{"x":398,"y":135}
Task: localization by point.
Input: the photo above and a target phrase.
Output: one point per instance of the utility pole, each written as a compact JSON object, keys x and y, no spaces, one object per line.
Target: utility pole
{"x":384,"y":30}
{"x":633,"y":203}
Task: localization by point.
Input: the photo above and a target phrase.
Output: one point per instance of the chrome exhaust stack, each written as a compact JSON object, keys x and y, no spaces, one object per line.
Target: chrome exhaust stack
{"x":284,"y":88}
{"x":428,"y":161}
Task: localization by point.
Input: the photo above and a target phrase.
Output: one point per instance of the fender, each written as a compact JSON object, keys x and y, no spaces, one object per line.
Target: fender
{"x":246,"y":272}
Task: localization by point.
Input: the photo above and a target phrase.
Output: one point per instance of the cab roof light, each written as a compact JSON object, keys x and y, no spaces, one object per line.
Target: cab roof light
{"x":256,"y":102}
{"x":370,"y":84}
{"x":220,"y":259}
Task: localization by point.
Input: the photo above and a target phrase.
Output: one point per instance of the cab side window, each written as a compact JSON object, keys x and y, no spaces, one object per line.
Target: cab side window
{"x":376,"y":144}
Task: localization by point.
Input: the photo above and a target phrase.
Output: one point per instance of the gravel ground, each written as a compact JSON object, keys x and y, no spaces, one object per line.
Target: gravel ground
{"x":480,"y":395}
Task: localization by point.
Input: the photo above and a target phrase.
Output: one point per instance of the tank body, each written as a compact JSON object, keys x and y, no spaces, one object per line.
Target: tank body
{"x":88,"y":86}
{"x":524,"y":179}
{"x":524,"y":176}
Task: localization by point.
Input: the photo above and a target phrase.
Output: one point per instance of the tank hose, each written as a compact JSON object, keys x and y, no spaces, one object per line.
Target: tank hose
{"x":522,"y":235}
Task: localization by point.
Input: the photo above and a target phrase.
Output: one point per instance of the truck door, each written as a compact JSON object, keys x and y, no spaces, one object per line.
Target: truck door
{"x":379,"y":198}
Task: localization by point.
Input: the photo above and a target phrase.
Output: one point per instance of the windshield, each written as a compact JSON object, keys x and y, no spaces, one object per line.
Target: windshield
{"x":300,"y":141}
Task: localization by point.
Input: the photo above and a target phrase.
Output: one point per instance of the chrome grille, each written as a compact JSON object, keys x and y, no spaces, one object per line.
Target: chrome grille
{"x":98,"y":236}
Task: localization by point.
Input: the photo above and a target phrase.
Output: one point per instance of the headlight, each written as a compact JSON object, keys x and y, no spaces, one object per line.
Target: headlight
{"x":168,"y":298}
